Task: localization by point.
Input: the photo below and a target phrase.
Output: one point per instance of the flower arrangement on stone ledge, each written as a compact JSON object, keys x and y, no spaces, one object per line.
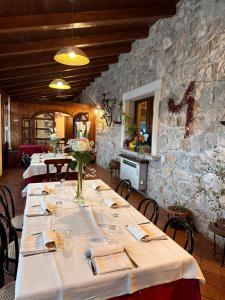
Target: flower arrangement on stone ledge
{"x":188,"y":100}
{"x":135,"y":142}
{"x":212,"y":185}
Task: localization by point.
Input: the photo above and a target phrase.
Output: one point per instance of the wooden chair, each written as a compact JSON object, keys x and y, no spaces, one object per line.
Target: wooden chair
{"x":124,"y":188}
{"x":7,"y":202}
{"x":8,"y":235}
{"x":25,"y":160}
{"x":181,"y":223}
{"x":147,"y":206}
{"x":58,"y":164}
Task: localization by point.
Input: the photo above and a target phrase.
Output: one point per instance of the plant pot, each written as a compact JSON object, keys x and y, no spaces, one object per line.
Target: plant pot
{"x":180,"y":212}
{"x":220,"y":223}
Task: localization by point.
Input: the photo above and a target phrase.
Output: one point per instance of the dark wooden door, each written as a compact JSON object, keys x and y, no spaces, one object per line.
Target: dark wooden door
{"x":69,"y":128}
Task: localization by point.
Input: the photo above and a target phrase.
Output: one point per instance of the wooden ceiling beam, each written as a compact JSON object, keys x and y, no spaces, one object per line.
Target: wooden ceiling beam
{"x":80,"y":41}
{"x":44,"y":85}
{"x":84,"y":18}
{"x":92,"y":71}
{"x":47,"y":82}
{"x":21,"y":61}
{"x":34,"y":71}
{"x":47,"y":92}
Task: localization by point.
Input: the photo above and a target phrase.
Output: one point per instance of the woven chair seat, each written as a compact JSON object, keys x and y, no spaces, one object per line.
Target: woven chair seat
{"x":17,"y":222}
{"x":11,"y":250}
{"x":7,"y":292}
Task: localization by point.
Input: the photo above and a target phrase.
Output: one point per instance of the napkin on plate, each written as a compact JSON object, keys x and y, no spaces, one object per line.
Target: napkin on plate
{"x":109,"y":259}
{"x":42,"y":242}
{"x":146,"y":235}
{"x":39,"y":192}
{"x":100,"y":187}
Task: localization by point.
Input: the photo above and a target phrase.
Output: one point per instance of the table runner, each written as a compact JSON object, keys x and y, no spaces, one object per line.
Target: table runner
{"x":61,"y":276}
{"x":39,"y":167}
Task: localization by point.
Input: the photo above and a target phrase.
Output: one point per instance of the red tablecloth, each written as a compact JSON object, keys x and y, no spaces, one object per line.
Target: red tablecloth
{"x":30,"y":149}
{"x":183,"y":289}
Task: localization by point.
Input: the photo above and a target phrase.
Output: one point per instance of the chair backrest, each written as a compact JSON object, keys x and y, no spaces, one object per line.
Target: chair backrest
{"x":26,"y":160}
{"x":8,"y":235}
{"x":124,"y":188}
{"x":6,"y":200}
{"x":176,"y":223}
{"x":150,"y":209}
{"x":58,"y":164}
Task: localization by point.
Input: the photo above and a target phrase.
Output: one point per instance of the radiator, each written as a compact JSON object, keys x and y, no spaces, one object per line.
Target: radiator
{"x":135,"y":171}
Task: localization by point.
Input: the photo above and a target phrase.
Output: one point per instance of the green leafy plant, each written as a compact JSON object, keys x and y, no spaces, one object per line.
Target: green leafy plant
{"x":130,"y":126}
{"x":213,"y":189}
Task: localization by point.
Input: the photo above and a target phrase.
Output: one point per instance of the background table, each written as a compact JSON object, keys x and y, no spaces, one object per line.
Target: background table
{"x":37,"y":170}
{"x":164,"y":268}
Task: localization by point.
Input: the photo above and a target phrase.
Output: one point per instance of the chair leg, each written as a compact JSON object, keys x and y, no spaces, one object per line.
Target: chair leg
{"x":223,"y":256}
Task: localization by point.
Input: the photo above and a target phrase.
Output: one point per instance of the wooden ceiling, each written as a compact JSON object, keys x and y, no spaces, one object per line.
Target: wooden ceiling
{"x":32,"y":31}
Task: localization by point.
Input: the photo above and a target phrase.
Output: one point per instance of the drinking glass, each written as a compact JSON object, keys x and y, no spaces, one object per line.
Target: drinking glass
{"x":68,"y":244}
{"x":62,"y":184}
{"x":57,"y":188}
{"x":114,"y":227}
{"x":58,"y":208}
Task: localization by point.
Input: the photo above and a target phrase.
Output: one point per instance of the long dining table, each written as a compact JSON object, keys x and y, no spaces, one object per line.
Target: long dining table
{"x":163,"y":269}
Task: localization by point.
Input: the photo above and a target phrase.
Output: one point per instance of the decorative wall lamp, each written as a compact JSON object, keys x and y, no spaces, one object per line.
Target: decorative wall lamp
{"x":106,"y":108}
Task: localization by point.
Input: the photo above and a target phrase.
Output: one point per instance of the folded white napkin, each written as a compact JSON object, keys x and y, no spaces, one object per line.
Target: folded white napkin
{"x":100,"y":187}
{"x":109,"y":259}
{"x":115,"y":203}
{"x":111,"y":203}
{"x":39,"y":243}
{"x":39,"y":192}
{"x":43,"y":209}
{"x":146,"y":235}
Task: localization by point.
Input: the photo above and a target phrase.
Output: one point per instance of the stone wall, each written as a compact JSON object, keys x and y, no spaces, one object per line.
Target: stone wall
{"x":197,"y":53}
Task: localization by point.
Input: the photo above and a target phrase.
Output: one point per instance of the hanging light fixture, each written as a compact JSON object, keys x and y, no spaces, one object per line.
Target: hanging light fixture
{"x":59,"y":84}
{"x":71,"y":56}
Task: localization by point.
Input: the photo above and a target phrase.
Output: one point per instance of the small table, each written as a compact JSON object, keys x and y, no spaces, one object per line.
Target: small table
{"x":115,"y":168}
{"x":213,"y":227}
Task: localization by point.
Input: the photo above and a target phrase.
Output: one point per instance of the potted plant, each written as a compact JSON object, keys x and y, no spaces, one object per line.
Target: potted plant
{"x":180,"y":210}
{"x":212,"y":186}
{"x":130,"y":128}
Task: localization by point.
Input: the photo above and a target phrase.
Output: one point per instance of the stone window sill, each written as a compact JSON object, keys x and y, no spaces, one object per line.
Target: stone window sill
{"x":137,"y":155}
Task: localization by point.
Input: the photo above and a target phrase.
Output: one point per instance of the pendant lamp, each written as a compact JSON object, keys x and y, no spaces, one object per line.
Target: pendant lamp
{"x":59,"y":84}
{"x":71,"y":56}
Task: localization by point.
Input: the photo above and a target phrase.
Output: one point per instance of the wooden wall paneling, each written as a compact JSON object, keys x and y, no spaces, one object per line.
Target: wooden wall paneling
{"x":28,"y":110}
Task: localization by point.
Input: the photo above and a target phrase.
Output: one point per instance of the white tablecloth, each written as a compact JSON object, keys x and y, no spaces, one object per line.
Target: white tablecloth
{"x":66,"y":276}
{"x":38,"y":167}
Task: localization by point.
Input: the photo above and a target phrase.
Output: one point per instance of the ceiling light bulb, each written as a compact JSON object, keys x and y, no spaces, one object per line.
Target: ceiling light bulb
{"x":72,"y":54}
{"x":59,"y":83}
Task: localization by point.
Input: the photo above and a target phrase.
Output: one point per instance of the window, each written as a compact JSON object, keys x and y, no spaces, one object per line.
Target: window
{"x":44,"y":125}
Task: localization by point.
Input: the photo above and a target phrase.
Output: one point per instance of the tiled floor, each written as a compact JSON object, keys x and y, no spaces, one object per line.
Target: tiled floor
{"x":214,"y":289}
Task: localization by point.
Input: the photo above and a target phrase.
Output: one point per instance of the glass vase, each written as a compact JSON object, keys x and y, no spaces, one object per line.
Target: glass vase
{"x":79,"y":194}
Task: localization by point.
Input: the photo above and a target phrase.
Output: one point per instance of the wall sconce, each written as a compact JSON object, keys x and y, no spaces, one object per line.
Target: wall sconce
{"x":106,"y":108}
